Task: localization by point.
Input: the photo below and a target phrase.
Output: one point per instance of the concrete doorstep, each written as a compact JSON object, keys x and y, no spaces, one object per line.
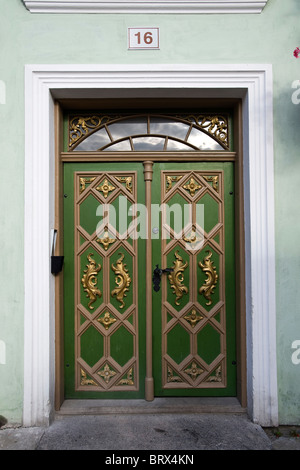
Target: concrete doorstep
{"x":183,"y":426}
{"x":118,"y":433}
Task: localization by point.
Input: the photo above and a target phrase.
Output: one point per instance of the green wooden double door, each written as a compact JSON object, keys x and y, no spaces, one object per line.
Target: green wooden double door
{"x":193,"y":316}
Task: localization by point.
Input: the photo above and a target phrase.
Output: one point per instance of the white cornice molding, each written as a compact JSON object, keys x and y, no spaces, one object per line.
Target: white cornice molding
{"x":145,"y":6}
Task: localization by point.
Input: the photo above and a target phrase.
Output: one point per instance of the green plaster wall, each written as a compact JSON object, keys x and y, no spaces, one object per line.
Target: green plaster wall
{"x":27,"y":38}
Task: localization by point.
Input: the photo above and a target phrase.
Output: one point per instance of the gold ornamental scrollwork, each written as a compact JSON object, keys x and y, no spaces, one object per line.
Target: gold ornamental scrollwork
{"x":129,"y":378}
{"x":84,"y":181}
{"x":85,"y":380}
{"x":172,"y":377}
{"x":127,"y":180}
{"x":216,"y":126}
{"x":212,"y":278}
{"x":170,"y":180}
{"x":81,"y":126}
{"x":123,"y":280}
{"x":217,"y":377}
{"x":89,"y":281}
{"x":214,"y":180}
{"x":176,"y":278}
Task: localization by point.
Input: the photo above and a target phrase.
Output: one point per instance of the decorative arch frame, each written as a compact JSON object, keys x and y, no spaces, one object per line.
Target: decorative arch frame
{"x":251,"y":83}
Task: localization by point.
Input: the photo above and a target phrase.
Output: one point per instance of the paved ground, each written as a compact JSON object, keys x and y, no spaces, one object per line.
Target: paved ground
{"x":116,"y":433}
{"x":163,"y":425}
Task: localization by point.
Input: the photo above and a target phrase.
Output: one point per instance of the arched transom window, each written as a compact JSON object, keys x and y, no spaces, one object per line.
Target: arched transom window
{"x":148,"y":132}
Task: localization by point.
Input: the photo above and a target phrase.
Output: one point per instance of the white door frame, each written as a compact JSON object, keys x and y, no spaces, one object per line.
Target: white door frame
{"x":252,"y":83}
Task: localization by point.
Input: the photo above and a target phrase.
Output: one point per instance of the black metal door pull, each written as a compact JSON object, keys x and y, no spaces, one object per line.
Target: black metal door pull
{"x":157,"y":273}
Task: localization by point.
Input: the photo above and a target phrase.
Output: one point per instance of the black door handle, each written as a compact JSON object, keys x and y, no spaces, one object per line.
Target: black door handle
{"x":157,"y":273}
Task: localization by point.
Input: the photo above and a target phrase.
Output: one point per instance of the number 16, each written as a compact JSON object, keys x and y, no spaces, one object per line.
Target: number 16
{"x":147,"y":38}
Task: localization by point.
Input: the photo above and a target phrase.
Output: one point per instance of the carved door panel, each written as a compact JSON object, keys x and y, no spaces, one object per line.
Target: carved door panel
{"x":194,"y":311}
{"x":104,"y":280}
{"x":101,"y":282}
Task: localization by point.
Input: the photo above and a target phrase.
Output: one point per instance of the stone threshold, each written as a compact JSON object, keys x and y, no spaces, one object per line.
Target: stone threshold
{"x":169,"y":405}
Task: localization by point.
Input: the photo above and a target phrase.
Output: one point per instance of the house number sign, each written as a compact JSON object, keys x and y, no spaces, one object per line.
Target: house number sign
{"x":143,"y":38}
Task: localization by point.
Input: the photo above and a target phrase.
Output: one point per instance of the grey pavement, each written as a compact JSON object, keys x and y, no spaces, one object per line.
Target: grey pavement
{"x":146,"y":429}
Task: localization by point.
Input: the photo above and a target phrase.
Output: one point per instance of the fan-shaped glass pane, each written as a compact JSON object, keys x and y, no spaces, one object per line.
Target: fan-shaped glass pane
{"x":202,"y":141}
{"x":94,"y":142}
{"x":129,"y":127}
{"x":123,"y":146}
{"x":146,"y":143}
{"x":175,"y":146}
{"x":168,"y":127}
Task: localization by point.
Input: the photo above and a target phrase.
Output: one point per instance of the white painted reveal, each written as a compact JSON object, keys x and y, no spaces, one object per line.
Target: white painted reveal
{"x":253,"y":84}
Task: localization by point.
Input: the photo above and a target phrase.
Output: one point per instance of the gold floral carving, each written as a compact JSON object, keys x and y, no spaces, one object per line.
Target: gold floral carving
{"x":106,"y":373}
{"x":193,"y":238}
{"x":192,"y":187}
{"x":193,"y":371}
{"x":193,"y":317}
{"x":212,"y":278}
{"x":170,"y":180}
{"x":127,"y":180}
{"x":128,"y":380}
{"x":176,"y":278}
{"x":214,"y":180}
{"x":84,"y":182}
{"x":106,"y":240}
{"x":89,"y":281}
{"x":107,"y":320}
{"x":171,"y":377}
{"x":105,"y":188}
{"x":123,"y":280}
{"x":84,"y":380}
{"x":217,"y":377}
